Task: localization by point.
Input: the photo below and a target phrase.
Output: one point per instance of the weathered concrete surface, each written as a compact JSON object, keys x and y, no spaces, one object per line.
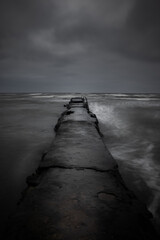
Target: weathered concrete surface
{"x":77,"y":192}
{"x":78,"y":144}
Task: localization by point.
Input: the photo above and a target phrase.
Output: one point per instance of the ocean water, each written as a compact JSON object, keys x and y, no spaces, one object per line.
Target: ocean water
{"x":130,"y":124}
{"x":131,"y":128}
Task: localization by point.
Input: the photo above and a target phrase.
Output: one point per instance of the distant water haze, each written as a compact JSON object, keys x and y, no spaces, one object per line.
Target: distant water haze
{"x":130,"y":124}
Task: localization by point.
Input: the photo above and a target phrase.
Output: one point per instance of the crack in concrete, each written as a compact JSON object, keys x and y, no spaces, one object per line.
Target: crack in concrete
{"x":35,"y":179}
{"x":79,"y":168}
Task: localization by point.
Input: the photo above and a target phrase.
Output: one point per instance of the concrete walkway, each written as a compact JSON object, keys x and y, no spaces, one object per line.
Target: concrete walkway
{"x":77,"y":192}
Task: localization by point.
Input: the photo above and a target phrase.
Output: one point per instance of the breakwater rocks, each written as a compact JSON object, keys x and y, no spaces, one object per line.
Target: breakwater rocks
{"x":77,"y":192}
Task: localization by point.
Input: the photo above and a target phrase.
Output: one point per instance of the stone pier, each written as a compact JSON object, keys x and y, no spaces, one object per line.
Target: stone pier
{"x":77,"y":192}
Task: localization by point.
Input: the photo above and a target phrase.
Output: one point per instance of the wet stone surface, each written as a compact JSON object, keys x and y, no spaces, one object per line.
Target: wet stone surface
{"x":77,"y":192}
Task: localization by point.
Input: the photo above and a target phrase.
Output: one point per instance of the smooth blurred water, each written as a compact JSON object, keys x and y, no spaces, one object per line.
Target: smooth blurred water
{"x":131,"y":129}
{"x":130,"y":124}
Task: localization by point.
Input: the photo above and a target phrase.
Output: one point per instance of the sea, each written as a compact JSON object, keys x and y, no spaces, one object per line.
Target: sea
{"x":130,"y":124}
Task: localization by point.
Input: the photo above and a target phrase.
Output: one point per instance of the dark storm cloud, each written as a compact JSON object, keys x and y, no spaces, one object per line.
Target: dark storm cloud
{"x":19,"y":19}
{"x":130,"y":27}
{"x":20,"y":16}
{"x":143,"y":30}
{"x":68,"y":39}
{"x":52,"y":28}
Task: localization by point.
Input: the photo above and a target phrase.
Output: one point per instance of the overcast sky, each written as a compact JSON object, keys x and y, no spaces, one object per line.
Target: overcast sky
{"x":80,"y":45}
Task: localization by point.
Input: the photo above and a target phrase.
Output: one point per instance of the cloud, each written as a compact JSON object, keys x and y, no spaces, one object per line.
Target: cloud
{"x":128,"y":27}
{"x":142,"y":33}
{"x":70,"y":37}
